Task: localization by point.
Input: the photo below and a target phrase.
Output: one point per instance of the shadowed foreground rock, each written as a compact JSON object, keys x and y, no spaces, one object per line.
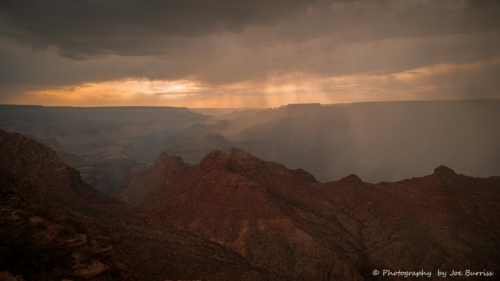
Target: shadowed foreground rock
{"x":236,"y":217}
{"x":38,"y":243}
{"x":288,"y":224}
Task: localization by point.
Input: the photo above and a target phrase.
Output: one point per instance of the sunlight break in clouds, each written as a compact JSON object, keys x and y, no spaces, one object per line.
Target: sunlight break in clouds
{"x":429,"y":83}
{"x":122,"y":92}
{"x":247,"y":53}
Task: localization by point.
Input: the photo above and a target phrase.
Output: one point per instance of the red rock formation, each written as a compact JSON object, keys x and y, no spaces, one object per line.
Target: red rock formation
{"x":40,"y":165}
{"x":442,"y":221}
{"x":114,"y":237}
{"x":286,"y":223}
{"x":260,"y":210}
{"x":236,"y":217}
{"x":144,"y":179}
{"x":37,"y":244}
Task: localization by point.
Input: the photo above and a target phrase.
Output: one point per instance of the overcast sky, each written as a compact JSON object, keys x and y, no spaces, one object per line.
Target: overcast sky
{"x":258,"y":53}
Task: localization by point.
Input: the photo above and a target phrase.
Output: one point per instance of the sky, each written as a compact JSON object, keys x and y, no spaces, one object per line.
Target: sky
{"x":247,"y":53}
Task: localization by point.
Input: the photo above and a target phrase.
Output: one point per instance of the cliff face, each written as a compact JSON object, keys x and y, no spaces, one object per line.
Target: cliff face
{"x":441,"y":221}
{"x":236,"y":217}
{"x":145,"y":179}
{"x":54,"y":227}
{"x":260,"y":210}
{"x":38,"y":243}
{"x":288,"y":224}
{"x":39,"y":164}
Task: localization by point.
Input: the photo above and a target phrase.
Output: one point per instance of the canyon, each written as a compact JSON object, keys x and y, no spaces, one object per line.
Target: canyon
{"x":234,"y":216}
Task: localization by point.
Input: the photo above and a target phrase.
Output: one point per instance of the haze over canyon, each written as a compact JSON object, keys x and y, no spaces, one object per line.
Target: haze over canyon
{"x":249,"y":140}
{"x":160,"y":193}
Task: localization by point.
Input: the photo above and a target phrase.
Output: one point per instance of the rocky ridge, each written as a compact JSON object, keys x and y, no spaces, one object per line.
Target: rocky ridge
{"x":288,"y":224}
{"x":94,"y":237}
{"x":144,"y":179}
{"x":39,"y":243}
{"x":236,"y":217}
{"x":39,"y":164}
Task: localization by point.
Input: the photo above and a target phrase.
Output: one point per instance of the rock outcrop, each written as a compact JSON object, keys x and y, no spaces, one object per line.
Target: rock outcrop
{"x":236,"y":217}
{"x":38,"y":243}
{"x":39,"y":164}
{"x":52,"y":232}
{"x":264,"y":212}
{"x":145,"y":179}
{"x":288,"y":224}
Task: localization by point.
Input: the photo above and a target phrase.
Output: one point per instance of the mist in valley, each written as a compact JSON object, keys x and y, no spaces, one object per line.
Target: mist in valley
{"x":377,"y":141}
{"x":249,"y":140}
{"x":386,"y":141}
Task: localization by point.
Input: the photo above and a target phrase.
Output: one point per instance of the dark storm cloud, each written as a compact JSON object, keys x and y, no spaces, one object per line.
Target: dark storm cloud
{"x":81,"y":29}
{"x":482,"y":4}
{"x":26,"y":70}
{"x":133,"y":27}
{"x":218,"y":43}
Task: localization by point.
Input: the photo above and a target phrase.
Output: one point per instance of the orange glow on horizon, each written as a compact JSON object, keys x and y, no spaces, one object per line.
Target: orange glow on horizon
{"x":272,"y":91}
